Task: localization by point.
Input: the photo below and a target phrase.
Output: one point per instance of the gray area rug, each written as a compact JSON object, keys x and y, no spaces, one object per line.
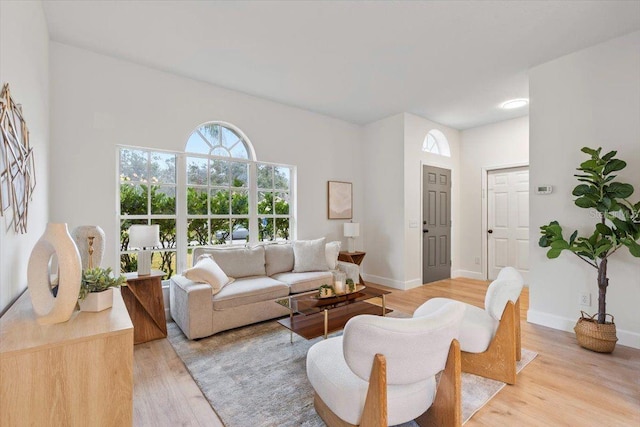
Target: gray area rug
{"x":253,"y":376}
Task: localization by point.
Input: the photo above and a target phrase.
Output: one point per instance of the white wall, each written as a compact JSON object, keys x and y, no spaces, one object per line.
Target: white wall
{"x":383,"y":229}
{"x":24,"y":64}
{"x":99,"y":102}
{"x":415,"y":131}
{"x":491,"y":147}
{"x":589,"y":98}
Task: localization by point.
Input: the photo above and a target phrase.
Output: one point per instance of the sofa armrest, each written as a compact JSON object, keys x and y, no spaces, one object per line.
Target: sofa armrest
{"x":191,"y":306}
{"x":352,"y":270}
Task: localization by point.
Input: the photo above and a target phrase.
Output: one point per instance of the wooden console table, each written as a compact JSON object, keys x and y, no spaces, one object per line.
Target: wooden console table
{"x":76,"y":373}
{"x":143,"y":298}
{"x":354,"y":258}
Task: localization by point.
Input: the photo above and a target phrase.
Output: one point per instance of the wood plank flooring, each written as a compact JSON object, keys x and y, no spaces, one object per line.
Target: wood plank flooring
{"x":564,"y":386}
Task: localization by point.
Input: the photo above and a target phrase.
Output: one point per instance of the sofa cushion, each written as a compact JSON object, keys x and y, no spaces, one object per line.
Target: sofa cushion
{"x":207,"y":271}
{"x":249,"y":290}
{"x":237,"y":262}
{"x":278,"y":258}
{"x":332,"y":250}
{"x":303,"y":282}
{"x":309,"y":255}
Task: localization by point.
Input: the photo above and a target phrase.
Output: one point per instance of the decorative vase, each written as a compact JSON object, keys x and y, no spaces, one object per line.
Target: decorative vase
{"x":90,"y":242}
{"x":594,"y":336}
{"x":55,"y":241}
{"x":97,"y":301}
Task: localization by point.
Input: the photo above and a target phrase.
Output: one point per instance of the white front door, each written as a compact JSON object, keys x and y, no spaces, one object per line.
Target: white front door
{"x":508,"y":220}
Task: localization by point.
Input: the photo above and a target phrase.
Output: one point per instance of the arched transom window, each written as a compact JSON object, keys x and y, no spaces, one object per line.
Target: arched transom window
{"x":436,"y":143}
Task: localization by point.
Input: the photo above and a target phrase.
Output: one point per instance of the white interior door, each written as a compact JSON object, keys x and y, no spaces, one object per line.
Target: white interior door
{"x":508,"y":220}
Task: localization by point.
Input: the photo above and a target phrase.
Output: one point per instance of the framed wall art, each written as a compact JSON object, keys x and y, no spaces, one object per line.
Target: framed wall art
{"x":340,"y":200}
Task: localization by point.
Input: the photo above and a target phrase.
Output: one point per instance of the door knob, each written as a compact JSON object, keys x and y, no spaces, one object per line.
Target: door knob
{"x":489,"y":231}
{"x":425,"y":231}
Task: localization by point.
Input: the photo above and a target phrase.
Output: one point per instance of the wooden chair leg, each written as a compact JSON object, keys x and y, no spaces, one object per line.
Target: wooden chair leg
{"x":518,"y":331}
{"x":498,"y":362}
{"x":374,"y":413}
{"x":446,"y":409}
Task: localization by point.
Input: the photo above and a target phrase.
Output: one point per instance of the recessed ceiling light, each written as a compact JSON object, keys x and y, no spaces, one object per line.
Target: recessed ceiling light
{"x":514,"y":103}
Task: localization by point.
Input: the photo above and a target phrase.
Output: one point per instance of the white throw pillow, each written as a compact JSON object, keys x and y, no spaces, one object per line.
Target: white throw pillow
{"x":309,"y":255}
{"x":332,"y":250}
{"x":208,"y":271}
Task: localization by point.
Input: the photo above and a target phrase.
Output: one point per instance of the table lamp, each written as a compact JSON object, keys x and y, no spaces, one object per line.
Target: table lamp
{"x":144,"y":237}
{"x":351,"y":230}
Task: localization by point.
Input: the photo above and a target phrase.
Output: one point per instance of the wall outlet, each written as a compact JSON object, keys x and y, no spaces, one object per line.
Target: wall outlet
{"x":585,"y":299}
{"x":477,"y":260}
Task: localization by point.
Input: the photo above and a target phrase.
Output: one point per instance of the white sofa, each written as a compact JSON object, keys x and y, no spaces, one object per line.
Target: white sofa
{"x":262,"y":274}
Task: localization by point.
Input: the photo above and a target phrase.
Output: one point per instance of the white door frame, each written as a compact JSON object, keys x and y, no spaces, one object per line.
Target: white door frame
{"x":484,"y":227}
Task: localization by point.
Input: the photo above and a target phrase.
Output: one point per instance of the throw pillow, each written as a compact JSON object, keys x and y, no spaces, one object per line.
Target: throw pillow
{"x":207,"y":271}
{"x":309,"y":255}
{"x":332,"y":250}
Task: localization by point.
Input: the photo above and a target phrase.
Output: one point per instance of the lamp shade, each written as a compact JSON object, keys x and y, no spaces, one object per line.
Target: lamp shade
{"x":144,"y":236}
{"x":351,"y":229}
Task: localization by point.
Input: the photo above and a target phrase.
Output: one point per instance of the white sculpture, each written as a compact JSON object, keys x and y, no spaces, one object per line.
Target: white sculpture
{"x":90,"y":242}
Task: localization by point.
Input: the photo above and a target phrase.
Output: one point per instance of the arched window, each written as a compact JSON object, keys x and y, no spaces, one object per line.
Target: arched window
{"x":436,"y":143}
{"x":230,"y":197}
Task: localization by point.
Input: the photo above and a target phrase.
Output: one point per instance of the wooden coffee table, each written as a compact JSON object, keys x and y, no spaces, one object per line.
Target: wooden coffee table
{"x":312,"y":317}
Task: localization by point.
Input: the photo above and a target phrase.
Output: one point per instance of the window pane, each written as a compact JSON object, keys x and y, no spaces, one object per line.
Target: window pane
{"x":197,"y":232}
{"x":240,"y":202}
{"x":163,"y":168}
{"x":211,"y":133}
{"x":282,"y":178}
{"x":239,"y":174}
{"x":219,"y":202}
{"x":165,"y":261}
{"x":239,"y":151}
{"x":265,"y":229}
{"x":220,"y":151}
{"x":167,"y":232}
{"x":197,"y":171}
{"x":220,"y":231}
{"x":265,"y":203}
{"x":229,"y":137}
{"x":196,"y":201}
{"x":282,"y":203}
{"x":282,"y":228}
{"x":196,"y":144}
{"x":163,"y":200}
{"x":133,"y":165}
{"x":220,"y":173}
{"x":133,"y":199}
{"x":240,"y":230}
{"x":265,"y":176}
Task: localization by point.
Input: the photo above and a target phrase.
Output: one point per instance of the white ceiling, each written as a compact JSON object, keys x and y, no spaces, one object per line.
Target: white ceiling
{"x":452,"y":62}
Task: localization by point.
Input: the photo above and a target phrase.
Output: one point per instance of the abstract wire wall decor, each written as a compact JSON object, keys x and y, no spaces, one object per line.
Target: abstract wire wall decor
{"x":17,"y":164}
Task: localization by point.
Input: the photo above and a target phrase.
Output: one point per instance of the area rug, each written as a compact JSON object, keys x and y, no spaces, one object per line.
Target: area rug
{"x":253,"y":376}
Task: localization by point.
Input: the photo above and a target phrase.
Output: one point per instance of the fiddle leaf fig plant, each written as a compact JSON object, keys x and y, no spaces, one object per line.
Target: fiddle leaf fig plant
{"x":617,"y":219}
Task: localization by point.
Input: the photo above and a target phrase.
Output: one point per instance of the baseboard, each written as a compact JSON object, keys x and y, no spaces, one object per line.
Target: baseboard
{"x":384,"y":281}
{"x":626,"y":338}
{"x":468,"y":274}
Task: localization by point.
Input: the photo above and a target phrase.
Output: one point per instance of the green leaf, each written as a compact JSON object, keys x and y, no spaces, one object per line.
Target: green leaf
{"x":614,"y":165}
{"x":559,"y":244}
{"x":589,"y":151}
{"x":585,"y":202}
{"x":620,"y":190}
{"x":589,"y":164}
{"x":573,"y":237}
{"x":633,"y":246}
{"x":604,"y":229}
{"x":582,"y":189}
{"x":554,"y":253}
{"x":609,"y":155}
{"x":621,"y":225}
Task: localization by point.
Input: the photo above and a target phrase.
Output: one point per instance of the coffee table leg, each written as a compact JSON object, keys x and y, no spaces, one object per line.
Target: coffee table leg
{"x":384,"y":307}
{"x":326,"y":323}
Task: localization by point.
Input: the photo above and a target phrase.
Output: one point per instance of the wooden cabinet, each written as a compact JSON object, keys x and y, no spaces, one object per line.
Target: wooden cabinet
{"x":76,"y":373}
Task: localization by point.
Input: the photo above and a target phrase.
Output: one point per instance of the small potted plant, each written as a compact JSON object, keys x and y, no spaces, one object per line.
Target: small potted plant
{"x":617,"y":226}
{"x":326,"y":291}
{"x":351,"y":287}
{"x":96,"y":289}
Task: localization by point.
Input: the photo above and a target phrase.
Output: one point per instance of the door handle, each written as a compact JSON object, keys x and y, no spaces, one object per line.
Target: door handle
{"x":425,"y":231}
{"x":489,"y":231}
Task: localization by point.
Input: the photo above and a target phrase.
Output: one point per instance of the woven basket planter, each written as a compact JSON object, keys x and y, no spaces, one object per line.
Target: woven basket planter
{"x":596,"y":337}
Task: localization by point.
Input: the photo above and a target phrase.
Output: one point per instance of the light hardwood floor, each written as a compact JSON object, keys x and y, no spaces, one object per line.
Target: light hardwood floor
{"x":564,"y":386}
